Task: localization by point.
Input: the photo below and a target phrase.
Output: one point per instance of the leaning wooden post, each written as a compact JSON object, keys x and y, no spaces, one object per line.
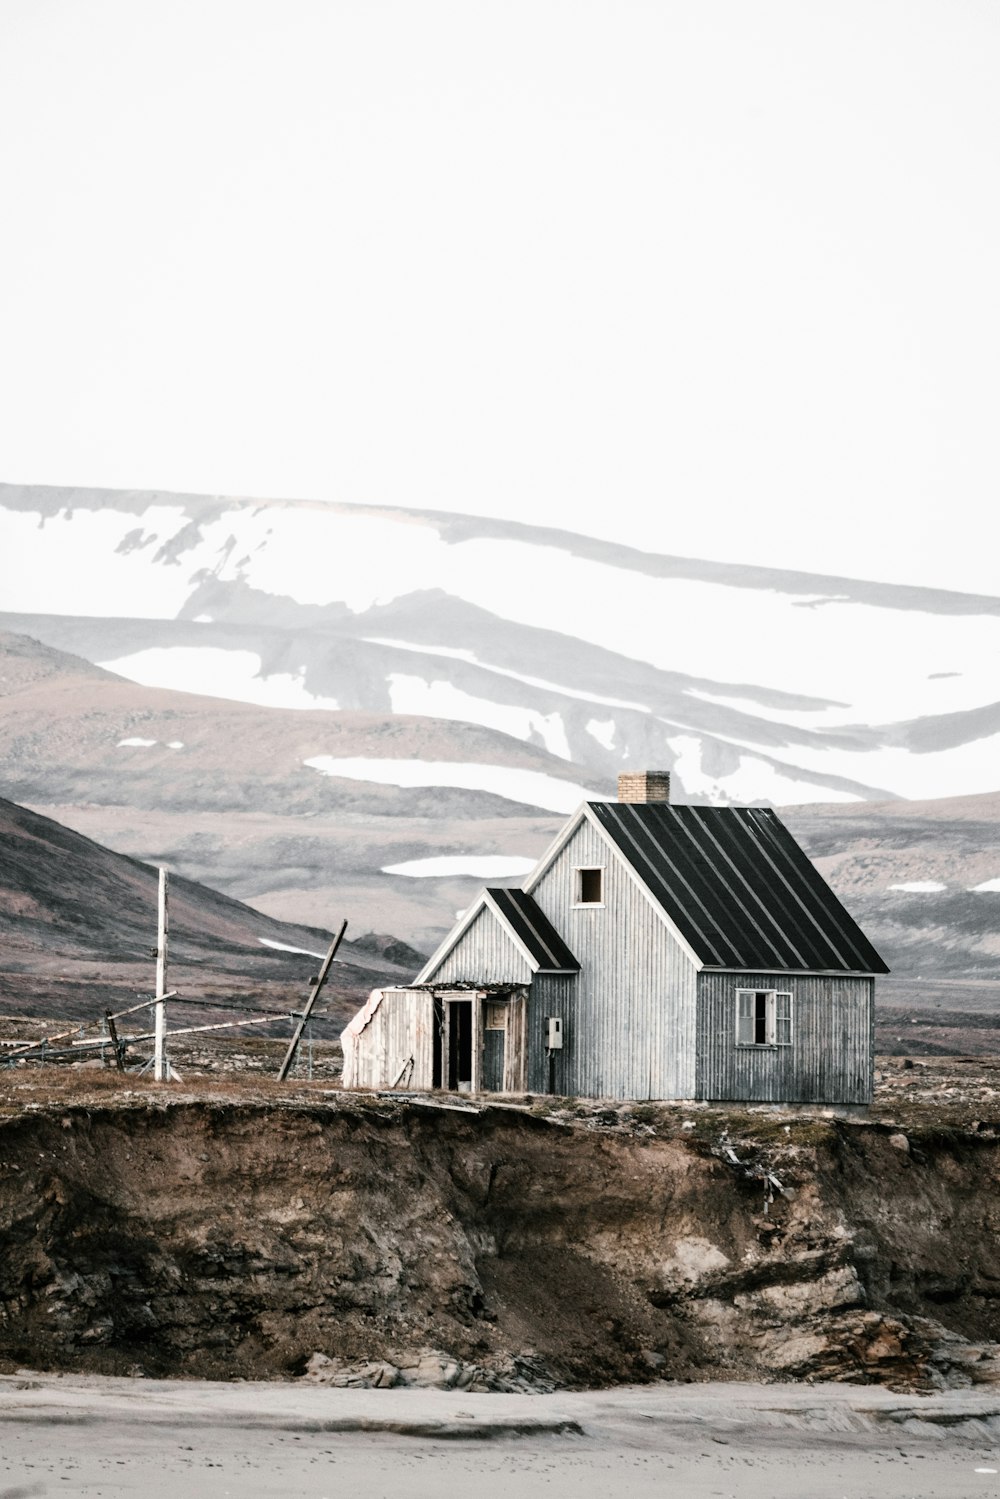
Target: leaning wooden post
{"x":293,"y":1044}
{"x":160,"y":1072}
{"x":115,"y":1042}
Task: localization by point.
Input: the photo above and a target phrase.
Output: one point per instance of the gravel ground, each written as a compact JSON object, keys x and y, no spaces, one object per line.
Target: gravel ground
{"x":105,"y":1438}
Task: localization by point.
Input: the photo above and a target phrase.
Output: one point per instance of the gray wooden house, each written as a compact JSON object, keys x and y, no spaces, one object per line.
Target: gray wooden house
{"x":655,"y":951}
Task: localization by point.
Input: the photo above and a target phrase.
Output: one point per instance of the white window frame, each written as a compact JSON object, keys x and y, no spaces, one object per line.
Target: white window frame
{"x":777,"y":1019}
{"x":588,"y":905}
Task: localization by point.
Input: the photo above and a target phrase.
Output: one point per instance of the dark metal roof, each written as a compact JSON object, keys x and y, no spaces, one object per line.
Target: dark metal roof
{"x":535,"y":930}
{"x":738,"y":887}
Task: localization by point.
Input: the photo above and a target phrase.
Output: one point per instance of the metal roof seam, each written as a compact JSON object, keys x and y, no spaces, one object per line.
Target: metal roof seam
{"x":748,"y":890}
{"x":772,"y":852}
{"x":810,"y":939}
{"x":809,"y":876}
{"x":519,"y":911}
{"x":699,"y":932}
{"x":515,"y":936}
{"x":690,"y":871}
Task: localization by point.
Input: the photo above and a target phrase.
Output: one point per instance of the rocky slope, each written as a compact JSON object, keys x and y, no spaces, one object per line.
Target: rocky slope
{"x":222,"y":791}
{"x":923,"y":879}
{"x":187,"y":1234}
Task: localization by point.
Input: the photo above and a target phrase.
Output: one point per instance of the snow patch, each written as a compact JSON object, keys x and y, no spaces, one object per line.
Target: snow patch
{"x":284,"y":947}
{"x":174,"y":744}
{"x":603,"y":730}
{"x":72,"y":565}
{"x":211,"y":671}
{"x":962,"y":770}
{"x":456,"y":653}
{"x":442,"y":699}
{"x":532,"y":787}
{"x":378,"y":557}
{"x":84,"y":562}
{"x":917,"y":777}
{"x":920,"y":887}
{"x":753,"y":780}
{"x":383,"y":557}
{"x":480,"y":866}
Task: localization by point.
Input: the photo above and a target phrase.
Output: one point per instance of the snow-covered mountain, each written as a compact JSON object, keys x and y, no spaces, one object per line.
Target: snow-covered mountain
{"x":751,"y":685}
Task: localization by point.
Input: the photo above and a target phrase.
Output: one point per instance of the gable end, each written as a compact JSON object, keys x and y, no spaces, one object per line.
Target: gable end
{"x":586,"y":814}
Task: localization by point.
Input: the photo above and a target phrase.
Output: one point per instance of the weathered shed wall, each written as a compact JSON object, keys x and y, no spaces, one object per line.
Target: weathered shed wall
{"x":629,"y":1015}
{"x":401,"y":1028}
{"x":484,"y":954}
{"x":829,"y":1060}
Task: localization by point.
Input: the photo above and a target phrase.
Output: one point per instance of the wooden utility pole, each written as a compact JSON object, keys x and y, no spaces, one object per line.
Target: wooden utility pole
{"x":303,"y":1021}
{"x":160,"y":1064}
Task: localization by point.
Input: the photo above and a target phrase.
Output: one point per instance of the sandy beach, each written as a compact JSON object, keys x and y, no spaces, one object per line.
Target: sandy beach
{"x":105,"y":1438}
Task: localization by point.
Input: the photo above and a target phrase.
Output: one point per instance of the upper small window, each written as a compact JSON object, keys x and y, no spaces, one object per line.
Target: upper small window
{"x":590,"y":887}
{"x":763,"y":1018}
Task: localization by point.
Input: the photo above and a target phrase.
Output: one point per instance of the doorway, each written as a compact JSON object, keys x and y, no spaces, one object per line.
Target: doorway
{"x":459,"y":1043}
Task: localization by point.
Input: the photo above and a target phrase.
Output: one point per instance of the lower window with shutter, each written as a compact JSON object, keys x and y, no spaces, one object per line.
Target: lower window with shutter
{"x":763,"y":1017}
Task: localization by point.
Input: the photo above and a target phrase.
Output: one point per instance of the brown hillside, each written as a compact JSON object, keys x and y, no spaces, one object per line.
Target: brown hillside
{"x":235,"y":807}
{"x":78,"y":922}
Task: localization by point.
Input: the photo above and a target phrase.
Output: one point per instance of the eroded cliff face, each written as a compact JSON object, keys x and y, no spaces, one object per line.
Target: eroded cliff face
{"x":500,"y":1248}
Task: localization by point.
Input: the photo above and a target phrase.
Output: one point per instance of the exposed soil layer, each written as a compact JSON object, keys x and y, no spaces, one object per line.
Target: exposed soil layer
{"x":211,"y":1232}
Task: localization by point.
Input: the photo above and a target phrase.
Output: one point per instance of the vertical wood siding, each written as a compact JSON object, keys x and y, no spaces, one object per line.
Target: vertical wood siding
{"x":629,"y":1015}
{"x":484,"y":954}
{"x":829,"y":1060}
{"x":402,"y":1027}
{"x":515,"y":1078}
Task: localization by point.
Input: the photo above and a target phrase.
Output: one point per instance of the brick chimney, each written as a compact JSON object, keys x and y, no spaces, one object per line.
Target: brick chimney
{"x":644,"y":786}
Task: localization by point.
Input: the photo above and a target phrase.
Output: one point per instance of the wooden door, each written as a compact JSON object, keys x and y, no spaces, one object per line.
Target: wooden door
{"x":494,"y":1033}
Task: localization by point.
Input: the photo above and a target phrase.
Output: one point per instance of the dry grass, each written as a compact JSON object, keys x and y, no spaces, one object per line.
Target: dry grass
{"x":918,"y":1094}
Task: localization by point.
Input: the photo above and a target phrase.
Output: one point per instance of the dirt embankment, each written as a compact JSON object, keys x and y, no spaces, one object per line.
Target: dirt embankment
{"x":220,"y":1237}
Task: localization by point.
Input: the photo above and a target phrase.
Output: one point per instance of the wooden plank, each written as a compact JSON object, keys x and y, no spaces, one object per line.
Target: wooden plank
{"x":144,"y":1004}
{"x":518,"y":1070}
{"x":422,"y":1006}
{"x":445,"y":1045}
{"x":220,"y":1025}
{"x":31,"y":1046}
{"x":476,"y":1009}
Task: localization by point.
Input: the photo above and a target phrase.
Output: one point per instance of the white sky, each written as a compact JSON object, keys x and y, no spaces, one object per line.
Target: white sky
{"x":728,"y":268}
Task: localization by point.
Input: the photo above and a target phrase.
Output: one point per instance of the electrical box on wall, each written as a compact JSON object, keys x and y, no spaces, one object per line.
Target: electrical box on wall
{"x":553,"y":1033}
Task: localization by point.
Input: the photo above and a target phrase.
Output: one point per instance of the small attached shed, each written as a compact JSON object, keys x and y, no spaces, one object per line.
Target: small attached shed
{"x":655,"y":952}
{"x":466,"y":1030}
